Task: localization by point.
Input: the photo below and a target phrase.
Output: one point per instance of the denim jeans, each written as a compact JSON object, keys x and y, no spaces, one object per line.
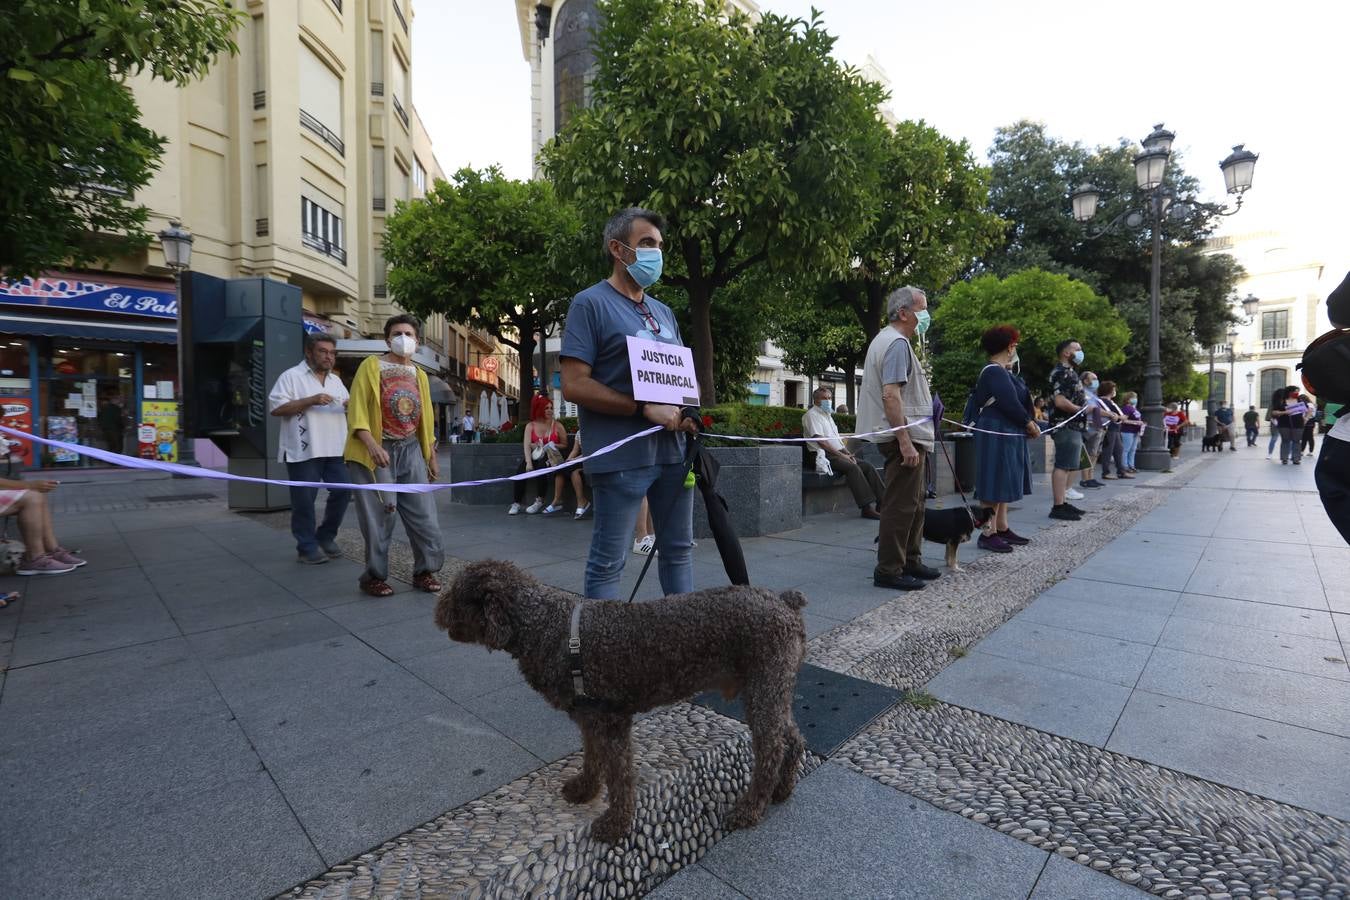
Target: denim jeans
{"x":1290,"y":439}
{"x":617,"y":497}
{"x":330,"y":470}
{"x":1129,"y":443}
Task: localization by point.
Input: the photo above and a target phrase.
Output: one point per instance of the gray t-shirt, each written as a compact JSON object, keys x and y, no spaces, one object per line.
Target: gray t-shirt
{"x":598,"y":323}
{"x":895,"y":367}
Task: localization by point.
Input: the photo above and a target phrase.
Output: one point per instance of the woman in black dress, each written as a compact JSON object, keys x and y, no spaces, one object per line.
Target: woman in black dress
{"x":1000,"y":406}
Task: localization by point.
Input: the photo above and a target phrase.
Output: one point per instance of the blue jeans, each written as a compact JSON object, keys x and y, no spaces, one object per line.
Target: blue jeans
{"x":617,"y":497}
{"x":328,"y":469}
{"x":1129,"y":442}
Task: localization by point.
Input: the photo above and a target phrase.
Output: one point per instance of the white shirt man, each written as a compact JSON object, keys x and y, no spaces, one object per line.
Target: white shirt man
{"x":863,"y":480}
{"x":311,"y":401}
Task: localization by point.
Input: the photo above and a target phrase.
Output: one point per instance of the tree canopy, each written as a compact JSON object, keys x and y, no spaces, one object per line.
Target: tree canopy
{"x":74,"y":151}
{"x":497,"y":254}
{"x":1044,"y":306}
{"x":1033,"y":174}
{"x":755,"y":143}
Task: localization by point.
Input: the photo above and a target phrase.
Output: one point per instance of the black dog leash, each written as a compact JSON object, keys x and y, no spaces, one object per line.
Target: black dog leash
{"x":956,"y":479}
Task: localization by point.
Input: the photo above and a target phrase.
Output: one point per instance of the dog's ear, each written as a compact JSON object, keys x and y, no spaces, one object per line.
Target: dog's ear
{"x":497,"y":627}
{"x":492,"y":586}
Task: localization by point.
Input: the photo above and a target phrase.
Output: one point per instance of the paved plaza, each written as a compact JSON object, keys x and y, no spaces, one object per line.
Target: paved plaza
{"x":1155,"y":696}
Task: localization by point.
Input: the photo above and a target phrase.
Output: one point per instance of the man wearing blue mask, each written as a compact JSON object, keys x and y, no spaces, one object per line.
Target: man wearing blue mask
{"x":1067,"y":400}
{"x":895,"y":393}
{"x":596,"y":376}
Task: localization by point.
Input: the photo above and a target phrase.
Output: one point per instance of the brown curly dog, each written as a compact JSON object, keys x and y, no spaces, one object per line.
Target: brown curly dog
{"x":639,"y":656}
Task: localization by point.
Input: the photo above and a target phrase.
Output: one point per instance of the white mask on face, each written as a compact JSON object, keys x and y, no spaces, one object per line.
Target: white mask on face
{"x":403,"y":344}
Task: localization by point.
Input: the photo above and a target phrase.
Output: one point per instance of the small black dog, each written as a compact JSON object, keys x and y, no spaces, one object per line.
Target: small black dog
{"x":953,"y":527}
{"x":1212,"y":442}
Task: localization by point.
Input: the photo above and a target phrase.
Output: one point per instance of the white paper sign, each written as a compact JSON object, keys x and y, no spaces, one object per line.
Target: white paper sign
{"x":151,"y":393}
{"x":88,"y":409}
{"x":165,"y":390}
{"x":662,"y":373}
{"x":73,"y":401}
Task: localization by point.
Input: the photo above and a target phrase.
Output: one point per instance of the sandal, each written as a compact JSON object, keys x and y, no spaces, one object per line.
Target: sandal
{"x":427,"y":582}
{"x":8,"y":597}
{"x":376,"y":588}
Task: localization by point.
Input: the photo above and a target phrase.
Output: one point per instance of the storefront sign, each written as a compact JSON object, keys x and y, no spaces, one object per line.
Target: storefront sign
{"x":662,"y":373}
{"x":477,"y":373}
{"x":159,"y":423}
{"x":490,"y":364}
{"x":18,"y":414}
{"x":64,"y":428}
{"x":91,"y":296}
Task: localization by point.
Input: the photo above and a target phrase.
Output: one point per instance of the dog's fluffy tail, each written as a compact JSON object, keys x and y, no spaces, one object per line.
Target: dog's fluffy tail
{"x":794,"y":599}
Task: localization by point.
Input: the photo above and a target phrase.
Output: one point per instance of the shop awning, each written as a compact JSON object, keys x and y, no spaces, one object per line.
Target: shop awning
{"x":441,"y":392}
{"x":111,"y":331}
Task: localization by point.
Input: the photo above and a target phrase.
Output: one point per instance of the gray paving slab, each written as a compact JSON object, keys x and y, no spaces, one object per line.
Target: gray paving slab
{"x":1289,"y":583}
{"x":1078,"y":614}
{"x":278,"y":632}
{"x":93,"y":627}
{"x":1322,"y":704}
{"x":464,"y":671}
{"x":389,"y":779}
{"x":518,"y":712}
{"x":177,"y":850}
{"x":372,"y":612}
{"x":294,"y":700}
{"x":1290,"y":652}
{"x":1114,"y":595}
{"x":1256,"y":614}
{"x":406,"y":639}
{"x":1261,"y":756}
{"x":1111,"y":659}
{"x":1062,"y":703}
{"x":844,"y":835}
{"x":695,"y":883}
{"x":202,"y":610}
{"x":1064,"y":879}
{"x":817,"y":624}
{"x":1163,"y":562}
{"x":845,"y":600}
{"x":1332,"y":565}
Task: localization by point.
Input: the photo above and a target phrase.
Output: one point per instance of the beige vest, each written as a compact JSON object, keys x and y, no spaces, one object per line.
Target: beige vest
{"x":915,"y":398}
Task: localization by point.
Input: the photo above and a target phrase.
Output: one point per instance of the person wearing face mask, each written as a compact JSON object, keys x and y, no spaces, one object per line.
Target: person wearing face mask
{"x":390,"y":441}
{"x":1067,"y":399}
{"x":863,"y":480}
{"x":1001,"y":404}
{"x":596,"y":375}
{"x":894,"y":393}
{"x":1095,"y":432}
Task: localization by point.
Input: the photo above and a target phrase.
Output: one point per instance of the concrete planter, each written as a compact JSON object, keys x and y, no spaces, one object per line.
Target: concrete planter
{"x":762,"y":487}
{"x":1042,"y":453}
{"x":471,"y":462}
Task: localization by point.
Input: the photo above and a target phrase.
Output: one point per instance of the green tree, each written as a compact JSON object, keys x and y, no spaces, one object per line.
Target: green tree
{"x":1045,"y":307}
{"x":754,"y":142}
{"x":1033,"y":174}
{"x":74,"y":151}
{"x":501,"y":255}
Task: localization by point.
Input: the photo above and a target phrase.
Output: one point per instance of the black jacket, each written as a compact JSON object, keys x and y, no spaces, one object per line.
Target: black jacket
{"x":1338,"y":304}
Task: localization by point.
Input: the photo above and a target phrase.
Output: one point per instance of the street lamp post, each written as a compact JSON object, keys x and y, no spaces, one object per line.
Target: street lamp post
{"x":176,"y":242}
{"x":1251,"y":377}
{"x":1150,"y":169}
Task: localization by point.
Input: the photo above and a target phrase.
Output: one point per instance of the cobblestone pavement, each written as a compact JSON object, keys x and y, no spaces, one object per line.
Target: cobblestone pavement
{"x":268,"y":726}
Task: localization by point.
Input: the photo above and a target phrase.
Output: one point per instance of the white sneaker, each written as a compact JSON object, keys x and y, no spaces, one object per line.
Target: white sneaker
{"x":645,"y":545}
{"x":1073,"y":494}
{"x":534,"y":507}
{"x":514,"y":510}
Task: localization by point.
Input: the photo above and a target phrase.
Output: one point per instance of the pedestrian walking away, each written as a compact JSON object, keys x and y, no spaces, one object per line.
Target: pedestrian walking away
{"x":542,"y":446}
{"x":390,"y":442}
{"x":1251,"y":421}
{"x":1001,"y":404}
{"x":895,"y":393}
{"x":1067,"y":399}
{"x":596,"y":376}
{"x":863,"y":481}
{"x":311,"y":401}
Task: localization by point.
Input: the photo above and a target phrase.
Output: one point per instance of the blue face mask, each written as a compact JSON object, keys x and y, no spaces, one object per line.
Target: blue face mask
{"x":1078,"y":357}
{"x":924,"y":320}
{"x":827,"y":405}
{"x":646,"y":269}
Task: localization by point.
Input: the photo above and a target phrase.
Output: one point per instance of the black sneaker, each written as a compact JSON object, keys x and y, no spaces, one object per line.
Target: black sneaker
{"x":1070,"y":506}
{"x":919,"y":570}
{"x":1092,"y":483}
{"x":1065,"y":512}
{"x":898,"y":582}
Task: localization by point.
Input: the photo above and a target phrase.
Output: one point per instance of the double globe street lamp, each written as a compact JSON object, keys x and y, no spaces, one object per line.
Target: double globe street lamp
{"x":1160,"y":201}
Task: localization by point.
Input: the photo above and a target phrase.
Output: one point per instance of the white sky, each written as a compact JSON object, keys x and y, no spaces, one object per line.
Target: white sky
{"x":1221,"y":72}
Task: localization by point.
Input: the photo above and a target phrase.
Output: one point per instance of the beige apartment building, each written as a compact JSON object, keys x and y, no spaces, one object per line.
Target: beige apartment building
{"x":283,"y":163}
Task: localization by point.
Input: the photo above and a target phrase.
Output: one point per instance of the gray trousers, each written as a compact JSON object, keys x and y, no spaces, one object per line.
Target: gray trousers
{"x":863,"y":481}
{"x":418,"y":511}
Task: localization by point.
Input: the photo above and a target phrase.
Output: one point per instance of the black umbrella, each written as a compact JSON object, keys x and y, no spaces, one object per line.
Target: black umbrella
{"x":704,"y":469}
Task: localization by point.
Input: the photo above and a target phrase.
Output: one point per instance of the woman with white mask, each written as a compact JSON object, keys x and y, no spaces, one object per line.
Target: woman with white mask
{"x":390,"y":422}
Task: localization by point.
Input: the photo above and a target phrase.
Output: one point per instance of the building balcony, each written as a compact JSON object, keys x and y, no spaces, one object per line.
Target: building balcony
{"x":400,"y":111}
{"x":398,"y":13}
{"x":326,"y":247}
{"x":323,"y":132}
{"x":1276,"y":344}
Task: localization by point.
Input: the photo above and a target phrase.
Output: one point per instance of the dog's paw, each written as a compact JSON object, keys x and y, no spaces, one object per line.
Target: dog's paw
{"x":578,"y":789}
{"x":610,"y":829}
{"x":742,"y":816}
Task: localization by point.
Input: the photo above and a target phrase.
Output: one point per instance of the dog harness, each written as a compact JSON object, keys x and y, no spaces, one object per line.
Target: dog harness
{"x":574,"y":654}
